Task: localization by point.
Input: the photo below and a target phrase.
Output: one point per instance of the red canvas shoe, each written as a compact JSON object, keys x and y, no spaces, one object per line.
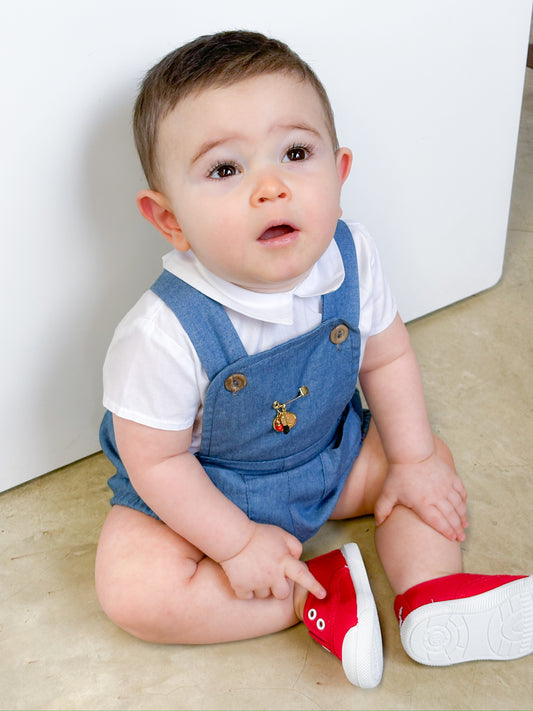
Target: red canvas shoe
{"x":346,"y":621}
{"x":463,"y":617}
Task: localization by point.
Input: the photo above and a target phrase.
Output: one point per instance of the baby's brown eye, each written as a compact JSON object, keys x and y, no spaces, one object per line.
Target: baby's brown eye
{"x":224,"y":170}
{"x":297,"y":153}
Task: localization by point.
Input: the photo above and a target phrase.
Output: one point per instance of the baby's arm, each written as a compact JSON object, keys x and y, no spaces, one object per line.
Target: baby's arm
{"x":257,"y":558}
{"x":417,"y":478}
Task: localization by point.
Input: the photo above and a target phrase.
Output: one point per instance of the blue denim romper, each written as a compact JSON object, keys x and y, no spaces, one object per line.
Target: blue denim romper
{"x":290,"y":477}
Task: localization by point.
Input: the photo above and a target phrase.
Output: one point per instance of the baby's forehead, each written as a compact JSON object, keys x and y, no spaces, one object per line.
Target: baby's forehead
{"x":236,"y":89}
{"x":215,"y":86}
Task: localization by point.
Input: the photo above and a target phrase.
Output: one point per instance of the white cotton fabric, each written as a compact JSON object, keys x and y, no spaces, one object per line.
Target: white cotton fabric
{"x":152,"y":374}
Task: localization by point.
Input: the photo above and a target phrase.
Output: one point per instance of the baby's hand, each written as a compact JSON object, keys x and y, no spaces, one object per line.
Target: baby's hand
{"x":430,"y":488}
{"x":265,"y":565}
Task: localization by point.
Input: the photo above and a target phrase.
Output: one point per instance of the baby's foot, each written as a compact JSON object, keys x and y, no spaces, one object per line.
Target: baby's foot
{"x":463,"y":617}
{"x":346,"y":622}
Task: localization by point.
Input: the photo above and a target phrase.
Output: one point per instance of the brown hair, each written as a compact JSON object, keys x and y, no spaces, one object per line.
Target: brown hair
{"x":211,"y":60}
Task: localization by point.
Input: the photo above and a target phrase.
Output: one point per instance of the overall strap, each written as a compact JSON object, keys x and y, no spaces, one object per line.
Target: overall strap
{"x":345,"y":300}
{"x":205,"y":321}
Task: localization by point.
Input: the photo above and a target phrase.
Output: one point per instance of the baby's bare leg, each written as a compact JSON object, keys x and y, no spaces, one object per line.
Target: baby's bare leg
{"x":410,"y":550}
{"x":156,"y":585}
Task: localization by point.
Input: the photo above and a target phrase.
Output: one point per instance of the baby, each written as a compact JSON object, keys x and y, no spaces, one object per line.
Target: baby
{"x":234,"y":419}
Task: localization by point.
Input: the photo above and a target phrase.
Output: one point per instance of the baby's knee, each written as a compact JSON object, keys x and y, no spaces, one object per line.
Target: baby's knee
{"x":118,"y":596}
{"x":141,"y":574}
{"x":124,"y":593}
{"x":131,"y":604}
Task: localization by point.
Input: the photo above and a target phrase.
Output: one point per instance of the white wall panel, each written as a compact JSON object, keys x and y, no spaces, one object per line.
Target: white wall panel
{"x":427,"y":94}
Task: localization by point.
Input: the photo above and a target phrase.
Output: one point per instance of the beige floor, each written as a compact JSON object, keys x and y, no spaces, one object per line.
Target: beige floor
{"x":58,"y":651}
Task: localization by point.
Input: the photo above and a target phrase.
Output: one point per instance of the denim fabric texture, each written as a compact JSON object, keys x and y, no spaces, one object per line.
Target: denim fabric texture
{"x":291,"y":479}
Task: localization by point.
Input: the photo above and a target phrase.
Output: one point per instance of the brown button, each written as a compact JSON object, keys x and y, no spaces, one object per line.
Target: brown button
{"x":235,"y":382}
{"x":339,"y":334}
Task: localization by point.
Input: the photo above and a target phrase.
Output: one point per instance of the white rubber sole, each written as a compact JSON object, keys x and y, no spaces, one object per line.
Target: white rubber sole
{"x":494,"y":625}
{"x":362,"y":649}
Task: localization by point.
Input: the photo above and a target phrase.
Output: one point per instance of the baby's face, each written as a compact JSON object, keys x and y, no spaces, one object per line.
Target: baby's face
{"x":252,"y":178}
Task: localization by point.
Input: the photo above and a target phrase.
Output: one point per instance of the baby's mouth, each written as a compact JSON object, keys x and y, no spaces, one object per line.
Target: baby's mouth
{"x":276,"y":231}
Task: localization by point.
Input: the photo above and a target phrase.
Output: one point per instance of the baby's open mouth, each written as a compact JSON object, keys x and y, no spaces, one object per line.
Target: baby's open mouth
{"x":276,"y":231}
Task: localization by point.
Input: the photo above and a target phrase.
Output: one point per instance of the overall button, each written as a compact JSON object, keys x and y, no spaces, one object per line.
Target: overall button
{"x":235,"y":382}
{"x":339,"y":334}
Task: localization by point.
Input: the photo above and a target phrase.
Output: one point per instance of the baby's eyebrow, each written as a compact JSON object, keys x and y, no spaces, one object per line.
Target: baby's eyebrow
{"x":208,"y":146}
{"x":301,"y":127}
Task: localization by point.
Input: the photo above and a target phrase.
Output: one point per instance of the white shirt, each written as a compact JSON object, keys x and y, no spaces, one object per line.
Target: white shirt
{"x":152,"y":374}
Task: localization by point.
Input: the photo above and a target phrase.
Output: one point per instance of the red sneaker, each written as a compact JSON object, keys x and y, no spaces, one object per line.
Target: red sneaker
{"x":463,"y":617}
{"x":346,"y":621}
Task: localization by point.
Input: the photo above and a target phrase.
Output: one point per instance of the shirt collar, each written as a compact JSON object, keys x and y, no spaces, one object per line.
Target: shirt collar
{"x":325,"y":276}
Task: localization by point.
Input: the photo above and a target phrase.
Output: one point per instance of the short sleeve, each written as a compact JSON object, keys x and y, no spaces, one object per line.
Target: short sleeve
{"x":151,"y":373}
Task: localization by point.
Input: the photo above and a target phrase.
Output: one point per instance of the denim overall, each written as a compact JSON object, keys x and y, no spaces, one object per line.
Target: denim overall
{"x":283,"y":465}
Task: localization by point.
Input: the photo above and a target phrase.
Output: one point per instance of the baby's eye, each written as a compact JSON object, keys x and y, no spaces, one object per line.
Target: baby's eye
{"x":298,"y":153}
{"x":223,"y":170}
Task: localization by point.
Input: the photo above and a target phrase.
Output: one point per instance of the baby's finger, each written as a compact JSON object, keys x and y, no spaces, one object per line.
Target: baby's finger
{"x":281,"y":589}
{"x":298,"y":571}
{"x":434,"y":517}
{"x":459,"y":505}
{"x":243,"y":593}
{"x":449,"y":512}
{"x":460,"y":488}
{"x":295,"y":547}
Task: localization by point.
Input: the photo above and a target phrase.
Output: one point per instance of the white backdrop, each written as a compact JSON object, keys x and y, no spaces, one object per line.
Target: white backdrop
{"x":427,"y":94}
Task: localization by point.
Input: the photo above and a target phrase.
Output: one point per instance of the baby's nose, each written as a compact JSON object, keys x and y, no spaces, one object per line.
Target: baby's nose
{"x":270,"y":186}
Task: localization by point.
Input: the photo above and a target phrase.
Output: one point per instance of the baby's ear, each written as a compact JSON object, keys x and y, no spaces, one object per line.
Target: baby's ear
{"x":155,"y":208}
{"x":343,"y":160}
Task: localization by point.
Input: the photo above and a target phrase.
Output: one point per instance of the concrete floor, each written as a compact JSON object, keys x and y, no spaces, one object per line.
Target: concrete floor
{"x":59,"y":651}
